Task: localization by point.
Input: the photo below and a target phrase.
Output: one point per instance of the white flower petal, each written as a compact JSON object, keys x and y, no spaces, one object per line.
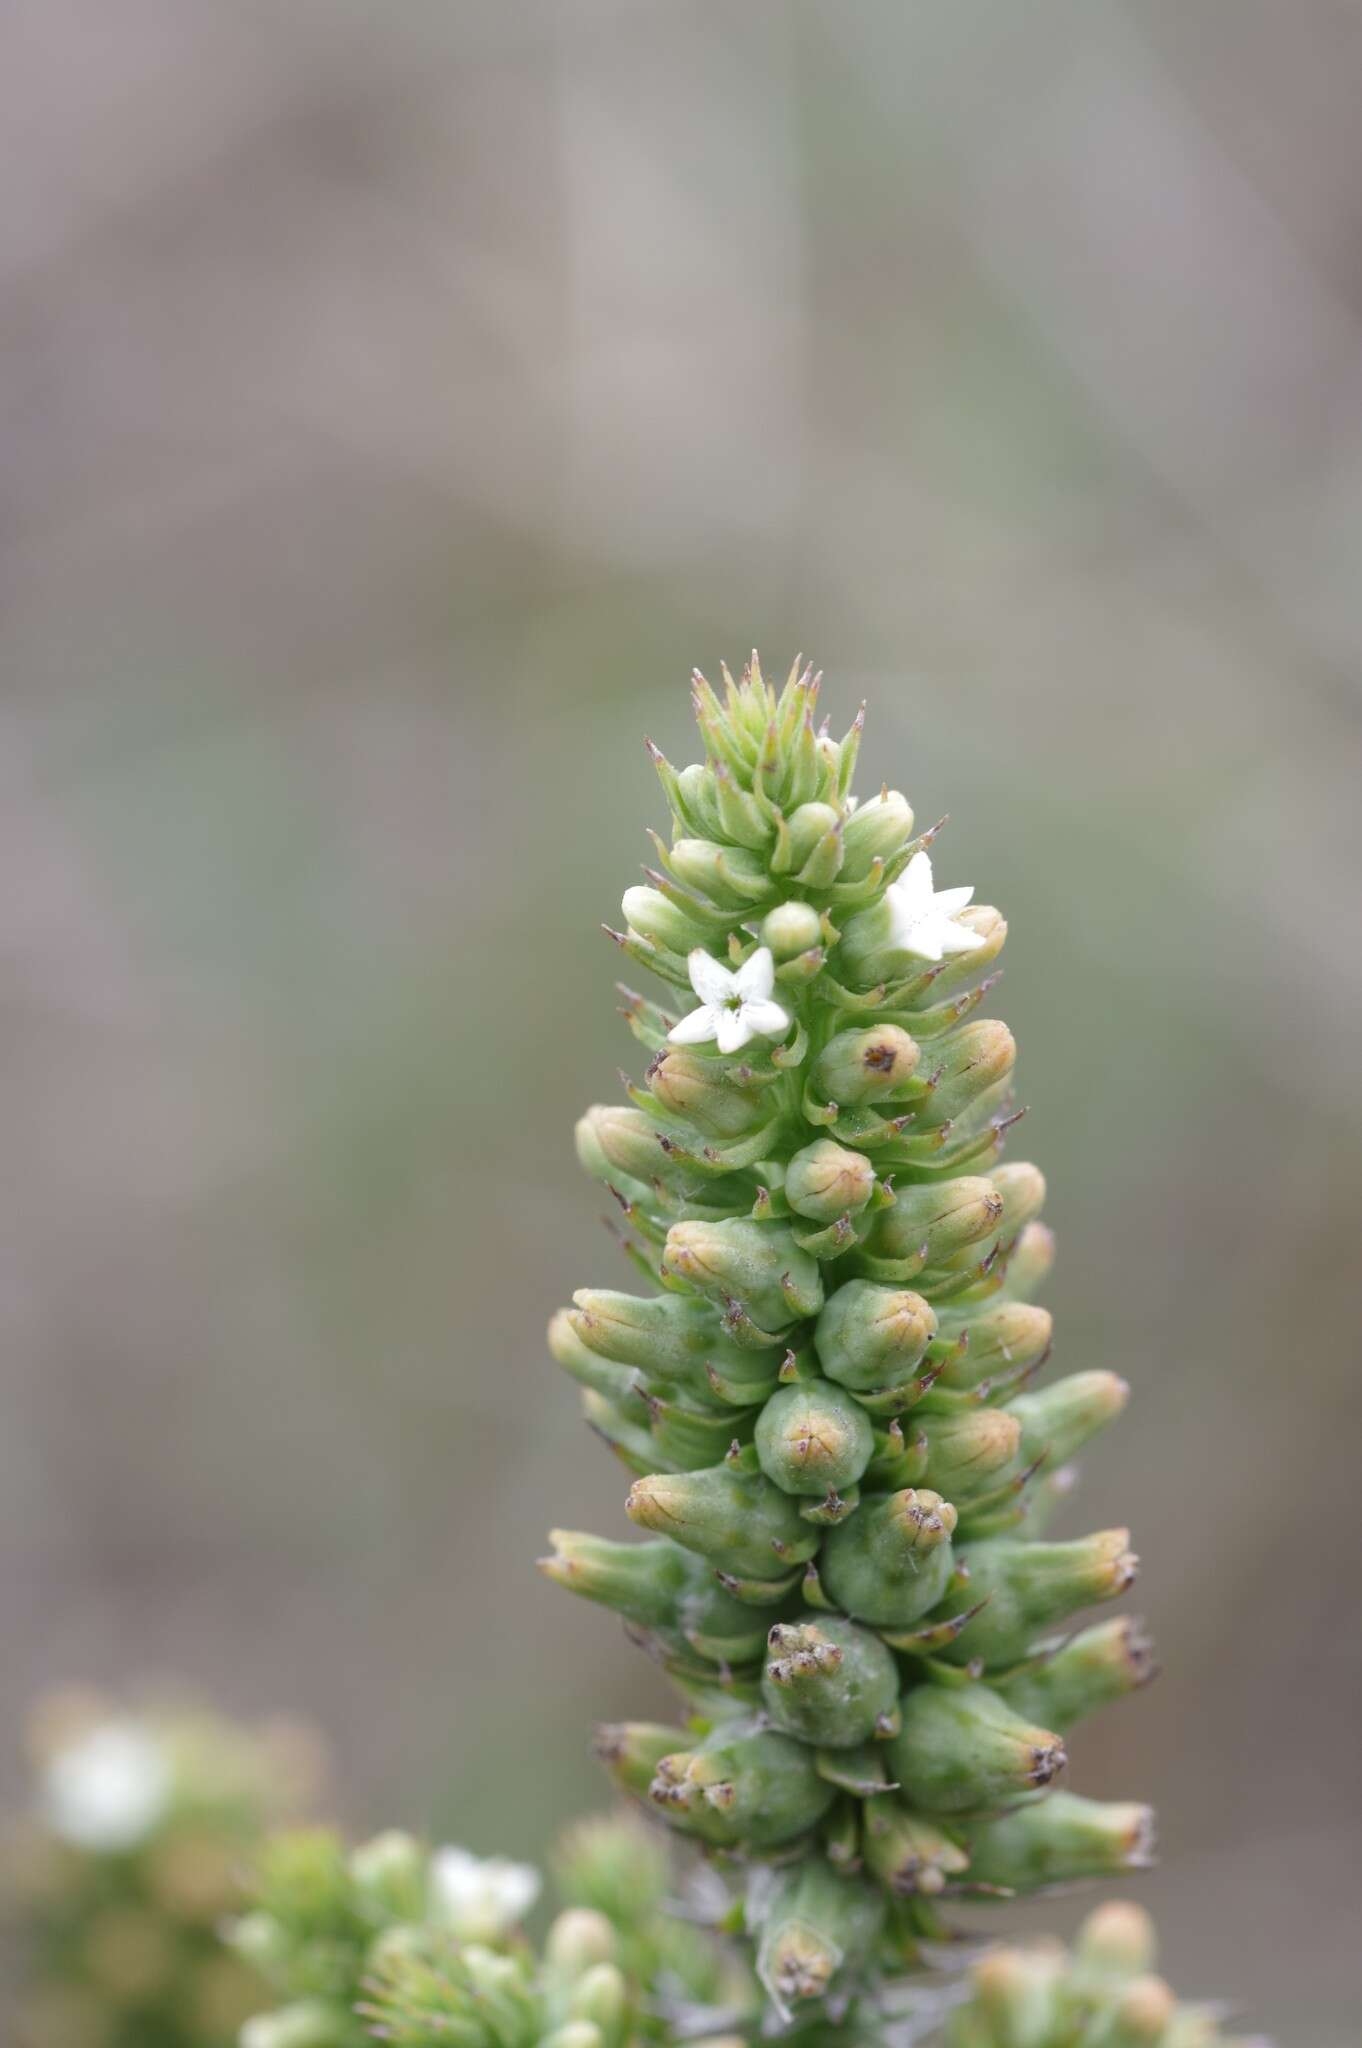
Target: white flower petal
{"x":914,"y":886}
{"x":767,"y":1019}
{"x":696,"y":1027}
{"x":108,"y":1790}
{"x":731,"y":1029}
{"x":481,"y":1898}
{"x":923,"y":941}
{"x":958,"y":938}
{"x":709,"y":977}
{"x":757,"y":976}
{"x":948,"y":901}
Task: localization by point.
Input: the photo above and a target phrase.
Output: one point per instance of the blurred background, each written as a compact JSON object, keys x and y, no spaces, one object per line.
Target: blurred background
{"x":396,"y":402}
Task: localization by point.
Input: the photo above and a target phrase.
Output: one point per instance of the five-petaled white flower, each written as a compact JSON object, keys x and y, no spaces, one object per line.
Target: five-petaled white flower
{"x":734,"y":1006}
{"x":481,"y":1898}
{"x":107,"y":1790}
{"x":922,"y":919}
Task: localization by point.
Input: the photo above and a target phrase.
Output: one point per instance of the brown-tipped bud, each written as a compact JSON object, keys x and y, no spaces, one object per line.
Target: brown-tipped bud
{"x":891,"y":1562}
{"x":1059,"y":1840}
{"x":870,"y":1336}
{"x":814,"y":1923}
{"x":939,"y":1221}
{"x":966,"y":1452}
{"x":1067,"y":1681}
{"x":756,"y":1265}
{"x":737,"y":1519}
{"x":873,"y":1065}
{"x":827,"y":1180}
{"x":1022,"y":1187}
{"x":1007,"y":1337}
{"x":876,"y":830}
{"x":909,"y":1854}
{"x":1030,"y":1586}
{"x":829,"y":1682}
{"x":790,"y":929}
{"x":632,"y":1750}
{"x":694,"y":1088}
{"x":974,"y":1059}
{"x":614,"y":1140}
{"x":813,"y":1439}
{"x":962,"y":1749}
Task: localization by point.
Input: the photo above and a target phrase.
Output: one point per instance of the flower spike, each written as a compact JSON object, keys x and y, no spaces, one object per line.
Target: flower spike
{"x":842,"y":1464}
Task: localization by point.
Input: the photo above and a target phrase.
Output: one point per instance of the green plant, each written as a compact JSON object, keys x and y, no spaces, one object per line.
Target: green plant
{"x":827,"y":1392}
{"x":424,"y":1947}
{"x":143,"y":1822}
{"x":1102,"y":1994}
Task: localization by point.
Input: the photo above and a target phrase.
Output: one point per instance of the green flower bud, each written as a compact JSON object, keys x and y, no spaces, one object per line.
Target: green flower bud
{"x":613,"y":1141}
{"x":670,"y":1338}
{"x":814,"y":1923}
{"x":1058,"y":1840}
{"x":572,"y":2034}
{"x":962,"y":1749}
{"x":654,"y":916}
{"x":657,"y":1586}
{"x":730,"y":875}
{"x":873,"y":1065}
{"x":937,"y":1221}
{"x":632,"y":1750}
{"x":870,"y":1336}
{"x":695,"y":1088}
{"x":1008,"y":1337}
{"x":876,"y":830}
{"x":790,"y":929}
{"x":909,"y":1854}
{"x":1030,"y":1586}
{"x":758,"y":1265}
{"x":1019,"y":1997}
{"x":814,"y":1439}
{"x":1022,"y":1187}
{"x":601,"y":1996}
{"x":1117,"y":1940}
{"x":1075,"y":1677}
{"x":977,"y":1058}
{"x":827,"y":1180}
{"x":579,"y":1939}
{"x":746,"y":1525}
{"x":743,"y":1783}
{"x":964,"y":1453}
{"x":829,"y":1682}
{"x":891,"y":1562}
{"x":1058,"y":1419}
{"x":1030,"y":1260}
{"x":811,"y":850}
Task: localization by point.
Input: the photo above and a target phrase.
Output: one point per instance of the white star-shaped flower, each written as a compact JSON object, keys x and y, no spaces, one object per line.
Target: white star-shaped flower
{"x":108,"y":1790}
{"x":923,"y":918}
{"x":734,"y":1006}
{"x":481,"y":1898}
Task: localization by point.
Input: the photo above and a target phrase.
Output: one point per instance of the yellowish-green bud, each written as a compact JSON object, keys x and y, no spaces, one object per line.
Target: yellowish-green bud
{"x":827,"y":1180}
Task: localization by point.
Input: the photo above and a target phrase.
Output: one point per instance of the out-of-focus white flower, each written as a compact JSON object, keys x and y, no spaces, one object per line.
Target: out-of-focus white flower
{"x":107,"y":1791}
{"x":923,"y":917}
{"x":733,"y":1006}
{"x":481,"y":1898}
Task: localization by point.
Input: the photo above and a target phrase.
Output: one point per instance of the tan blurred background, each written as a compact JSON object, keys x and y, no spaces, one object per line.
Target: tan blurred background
{"x":396,"y":401}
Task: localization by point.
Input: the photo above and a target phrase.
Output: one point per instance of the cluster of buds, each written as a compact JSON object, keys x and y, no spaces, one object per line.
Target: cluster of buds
{"x":143,"y":1823}
{"x":396,"y":1942}
{"x":1102,"y":1994}
{"x":827,"y":1393}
